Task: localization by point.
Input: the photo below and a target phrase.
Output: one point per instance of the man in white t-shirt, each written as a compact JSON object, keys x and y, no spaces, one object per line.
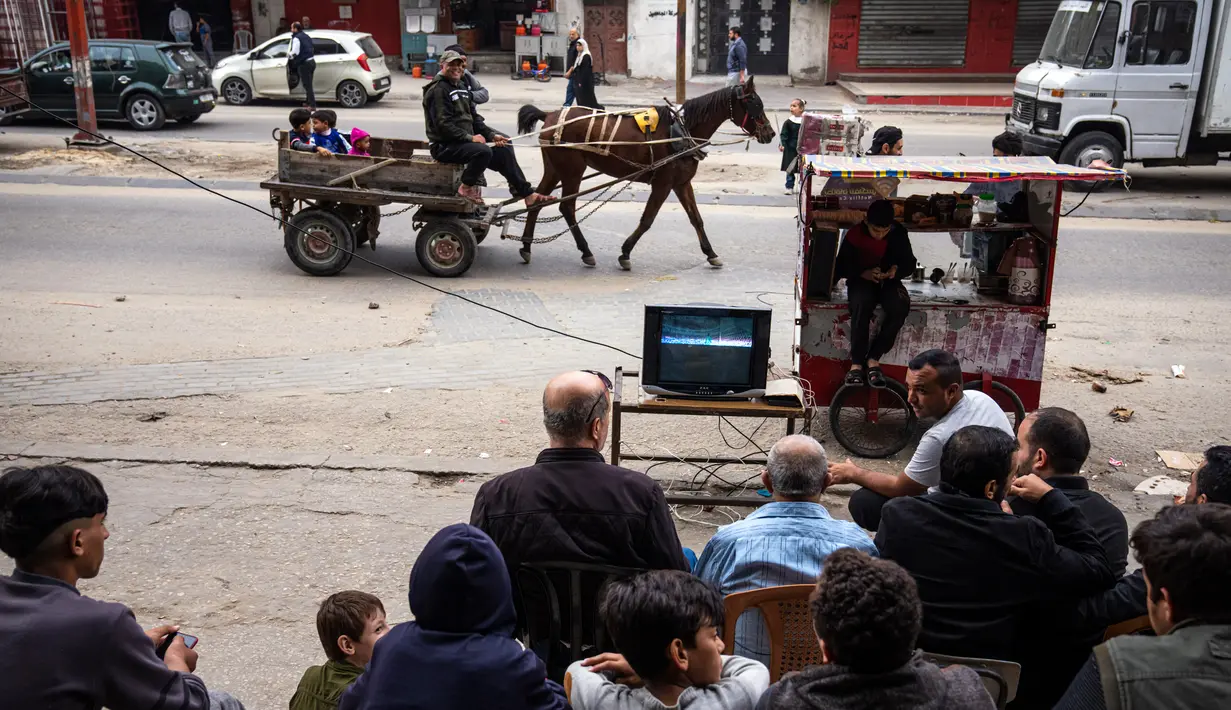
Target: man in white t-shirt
{"x":934,"y":382}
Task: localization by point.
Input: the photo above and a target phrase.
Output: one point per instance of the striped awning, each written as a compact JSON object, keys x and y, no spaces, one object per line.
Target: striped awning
{"x":957,"y":169}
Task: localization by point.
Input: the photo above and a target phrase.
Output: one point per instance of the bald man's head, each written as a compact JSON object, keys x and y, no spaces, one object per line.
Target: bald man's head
{"x":797,"y":466}
{"x":572,"y":402}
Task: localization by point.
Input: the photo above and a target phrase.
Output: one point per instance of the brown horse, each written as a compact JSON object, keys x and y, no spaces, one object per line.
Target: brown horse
{"x":632,"y":150}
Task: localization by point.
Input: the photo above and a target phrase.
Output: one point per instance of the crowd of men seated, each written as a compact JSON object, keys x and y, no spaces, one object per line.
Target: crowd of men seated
{"x":1010,"y":556}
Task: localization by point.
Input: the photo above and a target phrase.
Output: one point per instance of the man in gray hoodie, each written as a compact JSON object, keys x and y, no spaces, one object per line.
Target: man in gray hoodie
{"x":867,"y":615}
{"x":60,"y":650}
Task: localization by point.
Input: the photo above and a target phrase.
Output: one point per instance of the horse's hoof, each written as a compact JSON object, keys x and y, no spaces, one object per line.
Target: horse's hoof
{"x":588,"y":260}
{"x":525,"y":255}
{"x":715,"y":262}
{"x":626,"y":263}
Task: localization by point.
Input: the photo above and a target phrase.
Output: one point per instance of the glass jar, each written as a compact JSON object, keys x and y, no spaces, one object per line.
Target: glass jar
{"x":984,"y":211}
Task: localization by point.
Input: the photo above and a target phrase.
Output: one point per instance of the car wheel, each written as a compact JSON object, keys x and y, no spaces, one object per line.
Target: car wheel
{"x":144,"y":113}
{"x":351,"y":94}
{"x":188,"y":119}
{"x":237,"y":92}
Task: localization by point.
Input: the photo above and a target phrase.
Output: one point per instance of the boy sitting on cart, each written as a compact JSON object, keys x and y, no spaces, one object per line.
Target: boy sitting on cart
{"x":456,"y":133}
{"x":874,"y":258}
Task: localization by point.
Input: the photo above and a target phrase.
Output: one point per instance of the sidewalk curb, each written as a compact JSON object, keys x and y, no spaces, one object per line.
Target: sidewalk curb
{"x":1094,"y":211}
{"x":259,"y":459}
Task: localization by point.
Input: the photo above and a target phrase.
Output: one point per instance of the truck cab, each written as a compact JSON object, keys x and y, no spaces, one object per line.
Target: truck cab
{"x":1129,"y":80}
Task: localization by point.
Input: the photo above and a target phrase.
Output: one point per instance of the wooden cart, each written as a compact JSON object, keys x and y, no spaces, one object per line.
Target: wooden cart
{"x":331,"y":205}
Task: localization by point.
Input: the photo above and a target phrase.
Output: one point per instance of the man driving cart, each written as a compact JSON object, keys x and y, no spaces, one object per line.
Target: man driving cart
{"x":457,"y":134}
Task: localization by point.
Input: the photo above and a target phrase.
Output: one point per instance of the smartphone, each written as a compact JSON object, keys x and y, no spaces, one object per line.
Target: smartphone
{"x":189,"y":641}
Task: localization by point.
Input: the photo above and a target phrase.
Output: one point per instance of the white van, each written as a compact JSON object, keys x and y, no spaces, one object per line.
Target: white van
{"x":1147,"y":81}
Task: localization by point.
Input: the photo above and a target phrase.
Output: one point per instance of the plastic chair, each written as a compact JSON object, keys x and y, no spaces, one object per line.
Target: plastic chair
{"x":242,"y":41}
{"x":999,"y":677}
{"x":539,"y":587}
{"x":788,"y":621}
{"x":1132,"y":626}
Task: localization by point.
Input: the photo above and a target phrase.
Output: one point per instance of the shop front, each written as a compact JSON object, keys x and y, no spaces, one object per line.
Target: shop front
{"x":784,"y":37}
{"x":972,"y":37}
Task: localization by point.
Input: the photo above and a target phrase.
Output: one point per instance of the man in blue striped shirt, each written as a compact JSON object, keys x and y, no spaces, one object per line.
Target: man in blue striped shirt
{"x":784,"y":542}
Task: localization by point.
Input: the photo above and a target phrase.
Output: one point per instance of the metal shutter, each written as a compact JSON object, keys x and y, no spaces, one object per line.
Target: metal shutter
{"x":1033,"y":20}
{"x":900,"y":33}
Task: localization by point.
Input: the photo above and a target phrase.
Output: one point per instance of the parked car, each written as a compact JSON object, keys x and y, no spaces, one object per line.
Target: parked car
{"x":12,"y":95}
{"x":139,"y":81}
{"x":350,"y":68}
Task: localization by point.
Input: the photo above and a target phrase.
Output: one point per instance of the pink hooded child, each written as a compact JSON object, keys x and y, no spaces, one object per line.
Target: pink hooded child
{"x":361,"y":141}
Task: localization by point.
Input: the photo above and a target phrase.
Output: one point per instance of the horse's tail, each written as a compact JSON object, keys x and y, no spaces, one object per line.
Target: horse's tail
{"x":527,"y":117}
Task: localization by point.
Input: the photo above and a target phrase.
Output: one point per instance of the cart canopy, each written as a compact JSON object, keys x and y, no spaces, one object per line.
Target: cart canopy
{"x":957,"y":169}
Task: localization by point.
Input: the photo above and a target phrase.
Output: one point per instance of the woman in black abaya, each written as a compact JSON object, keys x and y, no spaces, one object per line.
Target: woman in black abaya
{"x":583,"y":77}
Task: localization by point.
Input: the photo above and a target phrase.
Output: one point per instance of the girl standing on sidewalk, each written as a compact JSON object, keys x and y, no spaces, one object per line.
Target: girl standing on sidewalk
{"x":788,"y":140}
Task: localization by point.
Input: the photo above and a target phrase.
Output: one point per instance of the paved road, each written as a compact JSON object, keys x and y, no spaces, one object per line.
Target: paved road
{"x":1128,"y":283}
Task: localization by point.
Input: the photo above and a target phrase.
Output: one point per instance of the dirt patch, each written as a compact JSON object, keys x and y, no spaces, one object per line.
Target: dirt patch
{"x":195,"y":159}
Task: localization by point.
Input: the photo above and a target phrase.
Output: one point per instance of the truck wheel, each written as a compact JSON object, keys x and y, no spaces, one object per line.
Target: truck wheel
{"x":1085,"y":148}
{"x":329,"y":247}
{"x":445,"y":247}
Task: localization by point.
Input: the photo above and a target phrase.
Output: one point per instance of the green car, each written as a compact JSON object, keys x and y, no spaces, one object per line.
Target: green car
{"x":139,"y":81}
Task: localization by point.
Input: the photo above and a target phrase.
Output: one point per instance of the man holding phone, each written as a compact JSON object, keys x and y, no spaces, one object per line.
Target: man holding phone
{"x":58,"y":648}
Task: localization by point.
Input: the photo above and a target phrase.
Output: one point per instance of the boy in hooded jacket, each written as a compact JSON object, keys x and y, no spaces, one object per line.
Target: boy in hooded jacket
{"x":459,"y":652}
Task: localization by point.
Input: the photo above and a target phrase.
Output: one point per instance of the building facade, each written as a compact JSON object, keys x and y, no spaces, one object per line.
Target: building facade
{"x":973,"y":37}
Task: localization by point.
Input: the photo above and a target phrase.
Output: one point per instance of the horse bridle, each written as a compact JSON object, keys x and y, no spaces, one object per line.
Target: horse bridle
{"x":757,"y":123}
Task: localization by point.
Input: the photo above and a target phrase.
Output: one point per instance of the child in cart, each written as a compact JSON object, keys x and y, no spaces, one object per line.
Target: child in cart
{"x":788,"y":142}
{"x":301,"y":133}
{"x":874,"y":258}
{"x":324,"y":133}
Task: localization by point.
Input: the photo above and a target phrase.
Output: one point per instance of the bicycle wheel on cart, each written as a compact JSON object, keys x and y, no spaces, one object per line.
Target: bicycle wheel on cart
{"x":1003,"y":394}
{"x":872,"y":422}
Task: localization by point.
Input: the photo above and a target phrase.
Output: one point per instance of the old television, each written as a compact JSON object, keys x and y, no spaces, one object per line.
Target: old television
{"x":705,"y":351}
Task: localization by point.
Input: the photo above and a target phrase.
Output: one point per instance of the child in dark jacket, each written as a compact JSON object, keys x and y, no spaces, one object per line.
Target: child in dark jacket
{"x":788,"y":145}
{"x":459,"y":652}
{"x":324,"y":133}
{"x":301,"y":132}
{"x":874,"y":258}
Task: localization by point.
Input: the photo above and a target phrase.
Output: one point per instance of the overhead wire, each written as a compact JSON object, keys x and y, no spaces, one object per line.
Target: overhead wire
{"x":353,"y":254}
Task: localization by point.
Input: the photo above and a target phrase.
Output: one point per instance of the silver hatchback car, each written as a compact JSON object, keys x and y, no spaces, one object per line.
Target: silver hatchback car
{"x":350,"y":68}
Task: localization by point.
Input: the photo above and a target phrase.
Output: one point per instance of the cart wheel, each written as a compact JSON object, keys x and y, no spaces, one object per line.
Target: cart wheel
{"x":873,"y":423}
{"x":327,"y":251}
{"x":1005,"y":393}
{"x":445,"y":247}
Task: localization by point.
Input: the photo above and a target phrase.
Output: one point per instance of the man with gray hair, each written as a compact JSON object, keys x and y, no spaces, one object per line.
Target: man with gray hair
{"x":572,"y":506}
{"x":785,"y":541}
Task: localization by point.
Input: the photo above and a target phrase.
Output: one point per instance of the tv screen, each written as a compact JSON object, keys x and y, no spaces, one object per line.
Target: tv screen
{"x":709,"y":351}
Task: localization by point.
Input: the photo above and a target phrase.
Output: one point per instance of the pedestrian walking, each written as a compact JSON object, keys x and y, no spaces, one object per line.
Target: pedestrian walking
{"x":207,"y":41}
{"x":788,"y":142}
{"x":582,"y":79}
{"x":303,"y":62}
{"x":573,"y":38}
{"x":737,"y":58}
{"x":180,"y":24}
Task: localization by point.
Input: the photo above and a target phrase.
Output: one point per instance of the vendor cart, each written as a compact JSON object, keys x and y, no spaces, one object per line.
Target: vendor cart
{"x":996,"y":323}
{"x":331,"y":205}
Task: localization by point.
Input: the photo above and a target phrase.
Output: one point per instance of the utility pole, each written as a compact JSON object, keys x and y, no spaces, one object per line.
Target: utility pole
{"x":681,"y":48}
{"x":83,"y":83}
